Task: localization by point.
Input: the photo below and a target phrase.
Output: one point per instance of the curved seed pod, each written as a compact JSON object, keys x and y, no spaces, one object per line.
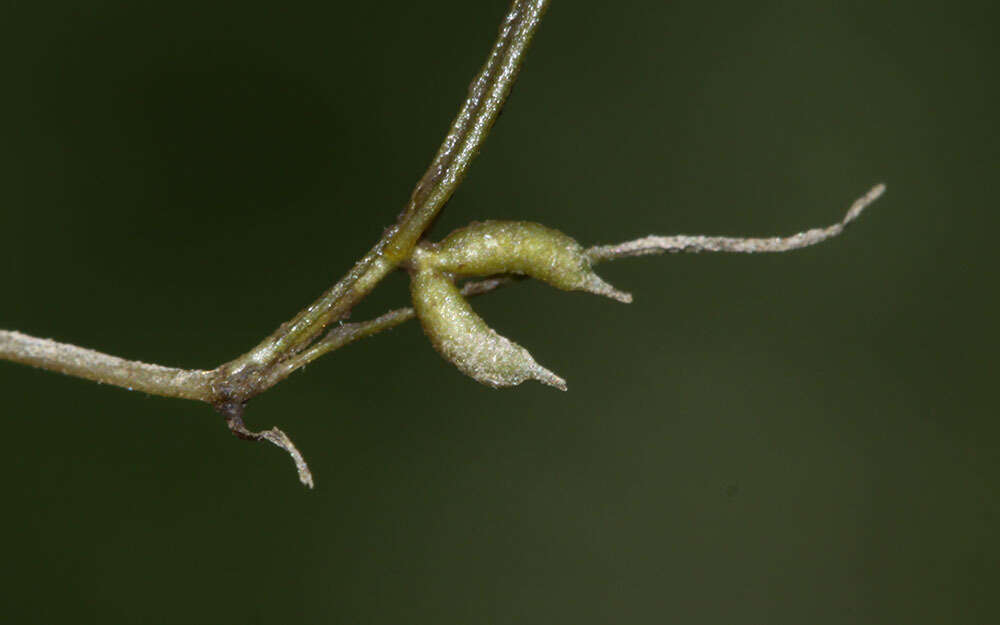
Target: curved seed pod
{"x":492,"y":247}
{"x":464,"y":339}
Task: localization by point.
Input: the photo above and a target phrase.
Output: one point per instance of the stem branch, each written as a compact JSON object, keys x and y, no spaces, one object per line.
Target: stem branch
{"x":106,"y":369}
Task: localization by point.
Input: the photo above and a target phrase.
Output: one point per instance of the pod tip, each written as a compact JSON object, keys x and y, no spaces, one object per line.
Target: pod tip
{"x":599,"y":287}
{"x":545,"y":376}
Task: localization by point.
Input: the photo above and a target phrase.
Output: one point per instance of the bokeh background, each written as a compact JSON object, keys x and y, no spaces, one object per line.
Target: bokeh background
{"x":799,"y":438}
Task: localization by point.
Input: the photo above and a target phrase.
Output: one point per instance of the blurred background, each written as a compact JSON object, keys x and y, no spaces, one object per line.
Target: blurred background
{"x":799,"y":438}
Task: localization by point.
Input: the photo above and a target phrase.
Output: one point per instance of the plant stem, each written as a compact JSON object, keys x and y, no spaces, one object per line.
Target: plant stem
{"x":297,"y":342}
{"x":701,"y":243}
{"x":106,"y":369}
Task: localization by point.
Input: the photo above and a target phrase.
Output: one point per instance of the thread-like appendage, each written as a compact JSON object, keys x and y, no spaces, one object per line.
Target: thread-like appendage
{"x":464,"y":339}
{"x":521,"y":247}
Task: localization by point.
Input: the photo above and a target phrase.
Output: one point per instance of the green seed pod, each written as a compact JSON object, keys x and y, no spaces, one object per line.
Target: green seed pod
{"x":464,"y":339}
{"x":521,"y":247}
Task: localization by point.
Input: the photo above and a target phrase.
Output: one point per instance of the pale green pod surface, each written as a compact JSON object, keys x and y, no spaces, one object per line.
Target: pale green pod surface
{"x":521,"y":247}
{"x":464,"y":339}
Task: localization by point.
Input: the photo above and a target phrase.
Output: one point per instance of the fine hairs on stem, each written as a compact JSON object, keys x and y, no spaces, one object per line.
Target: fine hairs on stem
{"x":319,"y":329}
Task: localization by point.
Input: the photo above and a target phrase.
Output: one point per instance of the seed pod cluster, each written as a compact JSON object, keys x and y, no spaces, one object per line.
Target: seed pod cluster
{"x":484,"y":249}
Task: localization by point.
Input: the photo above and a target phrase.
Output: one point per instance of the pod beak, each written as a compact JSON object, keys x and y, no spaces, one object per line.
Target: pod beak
{"x":596,"y":285}
{"x":545,"y":376}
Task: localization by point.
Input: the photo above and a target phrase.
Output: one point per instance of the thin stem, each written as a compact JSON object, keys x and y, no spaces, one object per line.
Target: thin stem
{"x":487,"y":95}
{"x":106,"y":369}
{"x":701,"y":243}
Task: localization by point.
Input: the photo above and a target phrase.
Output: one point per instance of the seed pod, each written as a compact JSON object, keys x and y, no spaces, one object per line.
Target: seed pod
{"x":464,"y":339}
{"x":522,"y":247}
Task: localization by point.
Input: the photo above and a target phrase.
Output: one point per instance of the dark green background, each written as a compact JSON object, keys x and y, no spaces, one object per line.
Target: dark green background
{"x":800,"y":438}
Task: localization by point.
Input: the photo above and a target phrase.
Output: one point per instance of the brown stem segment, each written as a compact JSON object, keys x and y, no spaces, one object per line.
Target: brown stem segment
{"x":234,"y":419}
